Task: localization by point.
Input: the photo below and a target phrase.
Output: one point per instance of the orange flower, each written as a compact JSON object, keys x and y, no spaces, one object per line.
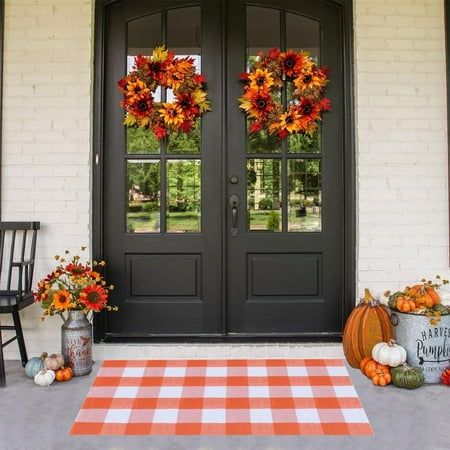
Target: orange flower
{"x":288,"y":122}
{"x":62,"y":299}
{"x":172,"y":114}
{"x":94,"y":297}
{"x":311,"y":79}
{"x":260,"y":80}
{"x":309,"y":111}
{"x":291,"y":63}
{"x":257,"y":104}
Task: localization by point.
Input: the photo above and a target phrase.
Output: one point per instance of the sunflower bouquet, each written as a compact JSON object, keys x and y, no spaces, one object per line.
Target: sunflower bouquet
{"x":73,"y":285}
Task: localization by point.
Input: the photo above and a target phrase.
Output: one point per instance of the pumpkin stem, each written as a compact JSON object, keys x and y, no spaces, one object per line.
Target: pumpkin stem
{"x":391,"y":342}
{"x":368,"y":298}
{"x":44,"y":355}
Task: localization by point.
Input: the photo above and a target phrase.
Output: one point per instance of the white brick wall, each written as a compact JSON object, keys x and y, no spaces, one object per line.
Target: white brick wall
{"x":46,"y":134}
{"x":402,"y":145}
{"x":401,"y":137}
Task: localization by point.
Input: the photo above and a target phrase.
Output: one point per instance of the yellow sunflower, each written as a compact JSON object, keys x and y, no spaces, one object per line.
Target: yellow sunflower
{"x":288,"y":121}
{"x":172,"y":114}
{"x":261,"y":79}
{"x":160,"y":54}
{"x":62,"y":299}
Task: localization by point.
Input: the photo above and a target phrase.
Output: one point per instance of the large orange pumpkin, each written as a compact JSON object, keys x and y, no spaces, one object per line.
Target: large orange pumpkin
{"x":367,"y":325}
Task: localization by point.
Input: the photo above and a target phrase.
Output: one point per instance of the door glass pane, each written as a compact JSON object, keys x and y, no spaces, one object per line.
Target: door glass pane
{"x":184,"y":40}
{"x":143,"y":35}
{"x":263,"y":33}
{"x":264,"y":194}
{"x":184,"y":143}
{"x":303,"y":34}
{"x":304,"y":195}
{"x":183,"y":211}
{"x":143,"y":187}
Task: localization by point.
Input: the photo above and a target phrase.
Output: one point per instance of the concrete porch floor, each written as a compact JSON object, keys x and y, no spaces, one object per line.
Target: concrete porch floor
{"x":40,"y":418}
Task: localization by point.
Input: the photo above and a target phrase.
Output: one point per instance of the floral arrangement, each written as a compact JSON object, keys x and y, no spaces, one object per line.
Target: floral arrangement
{"x":421,"y":298}
{"x":73,"y":285}
{"x":262,"y":86}
{"x":163,"y":69}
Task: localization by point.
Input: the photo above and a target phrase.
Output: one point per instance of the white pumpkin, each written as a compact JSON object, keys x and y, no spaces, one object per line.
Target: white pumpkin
{"x":389,"y":353}
{"x":44,"y":377}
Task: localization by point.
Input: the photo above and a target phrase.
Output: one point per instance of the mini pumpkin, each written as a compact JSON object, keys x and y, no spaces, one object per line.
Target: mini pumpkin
{"x":64,"y":374}
{"x":381,"y":377}
{"x":445,"y":377}
{"x":407,"y":377}
{"x":34,"y":365}
{"x":54,"y":361}
{"x":389,"y":353}
{"x":44,"y":377}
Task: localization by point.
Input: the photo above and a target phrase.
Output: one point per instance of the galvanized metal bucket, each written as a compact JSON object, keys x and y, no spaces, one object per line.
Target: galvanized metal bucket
{"x":427,"y":346}
{"x":76,"y":343}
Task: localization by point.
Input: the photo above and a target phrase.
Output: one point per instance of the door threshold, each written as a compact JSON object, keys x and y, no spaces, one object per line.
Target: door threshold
{"x":218,"y":350}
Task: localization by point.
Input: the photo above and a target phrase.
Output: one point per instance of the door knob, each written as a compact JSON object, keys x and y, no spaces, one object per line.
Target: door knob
{"x":234,"y":204}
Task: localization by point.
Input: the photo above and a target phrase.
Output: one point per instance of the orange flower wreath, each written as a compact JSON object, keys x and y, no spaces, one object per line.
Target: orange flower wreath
{"x":165,"y":70}
{"x":262,"y":83}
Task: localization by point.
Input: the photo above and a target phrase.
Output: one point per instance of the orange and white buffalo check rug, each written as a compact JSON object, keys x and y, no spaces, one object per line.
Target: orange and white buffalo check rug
{"x":223,"y":397}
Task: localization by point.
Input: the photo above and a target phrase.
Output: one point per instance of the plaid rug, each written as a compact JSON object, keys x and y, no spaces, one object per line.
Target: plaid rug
{"x":222,"y":397}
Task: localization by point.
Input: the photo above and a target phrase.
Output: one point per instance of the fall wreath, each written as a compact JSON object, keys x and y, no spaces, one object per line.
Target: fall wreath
{"x":163,"y":69}
{"x":262,"y":87}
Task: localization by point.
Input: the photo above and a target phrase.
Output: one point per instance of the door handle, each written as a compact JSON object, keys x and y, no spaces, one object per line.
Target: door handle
{"x":234,"y":204}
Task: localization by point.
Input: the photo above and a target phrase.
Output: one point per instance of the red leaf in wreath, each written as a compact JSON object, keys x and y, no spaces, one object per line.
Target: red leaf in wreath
{"x":325,"y":104}
{"x":283,"y":134}
{"x":243,"y":76}
{"x":160,"y":132}
{"x":274,"y":53}
{"x":255,"y":127}
{"x":199,"y":79}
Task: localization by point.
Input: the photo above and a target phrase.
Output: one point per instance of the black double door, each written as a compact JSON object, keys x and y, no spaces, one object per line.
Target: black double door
{"x":222,"y":233}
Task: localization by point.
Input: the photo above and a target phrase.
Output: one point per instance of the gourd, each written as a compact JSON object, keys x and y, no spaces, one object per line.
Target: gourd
{"x":381,"y":377}
{"x":369,"y":366}
{"x":407,"y":377}
{"x":445,"y":377}
{"x":54,"y":361}
{"x":34,"y":365}
{"x":367,"y":325}
{"x":44,"y":377}
{"x":389,"y":353}
{"x":403,"y":304}
{"x":441,"y":309}
{"x":64,"y":374}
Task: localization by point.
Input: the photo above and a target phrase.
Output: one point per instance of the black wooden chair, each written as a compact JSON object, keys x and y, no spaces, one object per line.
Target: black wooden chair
{"x":17,"y":253}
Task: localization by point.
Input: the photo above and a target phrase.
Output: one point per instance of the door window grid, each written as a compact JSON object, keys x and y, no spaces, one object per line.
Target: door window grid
{"x":287,"y":151}
{"x":180,"y":30}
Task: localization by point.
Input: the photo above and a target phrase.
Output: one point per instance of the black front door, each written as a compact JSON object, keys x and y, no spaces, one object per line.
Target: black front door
{"x":221,"y":233}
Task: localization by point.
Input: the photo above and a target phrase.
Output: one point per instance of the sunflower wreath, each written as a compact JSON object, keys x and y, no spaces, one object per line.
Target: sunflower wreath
{"x":262,"y":87}
{"x":165,"y":70}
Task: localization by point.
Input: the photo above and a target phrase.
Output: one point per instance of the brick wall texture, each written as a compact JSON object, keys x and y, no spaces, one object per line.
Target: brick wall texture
{"x":402,"y":204}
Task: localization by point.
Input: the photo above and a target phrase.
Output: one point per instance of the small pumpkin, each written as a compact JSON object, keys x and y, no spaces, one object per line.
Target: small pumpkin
{"x":404,"y":304}
{"x":381,"y":377}
{"x":64,"y":374}
{"x":389,"y":353}
{"x":407,"y":377}
{"x":34,"y":365}
{"x":445,"y":377}
{"x":54,"y":361}
{"x":44,"y":377}
{"x":369,"y":366}
{"x":367,"y":325}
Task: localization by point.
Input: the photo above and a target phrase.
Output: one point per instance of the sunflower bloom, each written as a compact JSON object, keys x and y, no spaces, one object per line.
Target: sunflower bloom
{"x":291,"y":63}
{"x":287,"y":122}
{"x":172,"y":114}
{"x":257,"y":104}
{"x":94,"y":297}
{"x":261,"y":79}
{"x":62,"y":299}
{"x":313,"y":80}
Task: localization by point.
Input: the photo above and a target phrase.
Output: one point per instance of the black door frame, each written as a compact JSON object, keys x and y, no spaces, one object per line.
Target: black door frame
{"x":345,"y":10}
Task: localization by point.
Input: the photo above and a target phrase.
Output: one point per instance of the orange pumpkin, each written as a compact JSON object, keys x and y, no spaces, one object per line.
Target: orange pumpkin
{"x":434,"y":295}
{"x":404,"y":304}
{"x":367,"y":325}
{"x":64,"y":374}
{"x":381,"y":377}
{"x":369,"y":367}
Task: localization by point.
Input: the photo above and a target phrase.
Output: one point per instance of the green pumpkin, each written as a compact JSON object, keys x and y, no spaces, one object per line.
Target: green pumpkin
{"x":393,"y":300}
{"x":34,"y":365}
{"x":407,"y":377}
{"x":441,"y":309}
